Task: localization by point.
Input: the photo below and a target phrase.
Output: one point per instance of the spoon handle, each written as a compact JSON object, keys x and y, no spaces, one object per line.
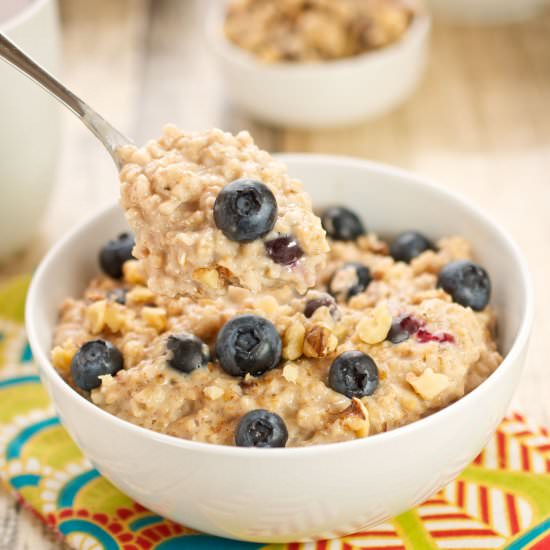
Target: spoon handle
{"x":111,"y":138}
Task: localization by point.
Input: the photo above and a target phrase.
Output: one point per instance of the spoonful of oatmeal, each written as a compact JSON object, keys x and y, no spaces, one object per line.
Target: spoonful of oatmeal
{"x":208,"y":209}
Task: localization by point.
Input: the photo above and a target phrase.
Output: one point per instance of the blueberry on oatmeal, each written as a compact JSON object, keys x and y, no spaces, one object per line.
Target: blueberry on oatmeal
{"x":245,"y":210}
{"x":187,"y":352}
{"x":409,"y":245}
{"x":114,"y":253}
{"x":468,"y":284}
{"x":348,"y":281}
{"x":284,"y":250}
{"x":248,"y":344}
{"x":341,"y":224}
{"x":354,"y":374}
{"x":323,"y":300}
{"x":261,"y":428}
{"x":402,"y":328}
{"x":93,"y":360}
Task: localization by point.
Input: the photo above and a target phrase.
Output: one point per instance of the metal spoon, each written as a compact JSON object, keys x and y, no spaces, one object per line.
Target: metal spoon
{"x":111,"y":138}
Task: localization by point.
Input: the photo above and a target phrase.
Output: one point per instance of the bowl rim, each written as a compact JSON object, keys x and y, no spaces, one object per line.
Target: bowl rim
{"x":418,"y":31}
{"x":519,"y":345}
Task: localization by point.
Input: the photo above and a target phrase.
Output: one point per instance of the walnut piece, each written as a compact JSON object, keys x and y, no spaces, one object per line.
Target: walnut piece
{"x":293,"y":340}
{"x":429,"y":384}
{"x":356,"y":418}
{"x":375,"y":325}
{"x":208,"y":277}
{"x":133,"y":272}
{"x":116,"y":316}
{"x":62,"y":356}
{"x":140,"y":295}
{"x":155,"y":317}
{"x":319,"y":341}
{"x":95,"y":316}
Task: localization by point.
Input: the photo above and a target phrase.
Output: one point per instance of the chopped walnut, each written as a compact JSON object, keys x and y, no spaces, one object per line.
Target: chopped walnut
{"x":103,"y":314}
{"x":95,"y":316}
{"x":133,"y":272}
{"x":116,"y":316}
{"x":429,"y":384}
{"x":375,"y":325}
{"x":293,"y":340}
{"x":356,"y":418}
{"x":208,"y":277}
{"x":62,"y":356}
{"x":155,"y":317}
{"x":140,"y":295}
{"x":319,"y":341}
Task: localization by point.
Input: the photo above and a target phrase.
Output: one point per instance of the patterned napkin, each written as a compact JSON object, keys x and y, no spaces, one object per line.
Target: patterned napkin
{"x":501,"y":501}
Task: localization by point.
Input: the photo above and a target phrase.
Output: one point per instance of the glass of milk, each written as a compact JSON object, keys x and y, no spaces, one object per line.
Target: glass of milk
{"x":29,"y":123}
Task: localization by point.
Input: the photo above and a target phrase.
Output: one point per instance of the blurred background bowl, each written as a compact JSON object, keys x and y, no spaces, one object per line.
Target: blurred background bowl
{"x":487,"y":11}
{"x":325,"y":94}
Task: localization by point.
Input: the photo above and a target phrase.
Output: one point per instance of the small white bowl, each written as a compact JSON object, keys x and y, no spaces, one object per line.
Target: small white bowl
{"x":281,"y":495}
{"x":325,"y":94}
{"x":487,"y":11}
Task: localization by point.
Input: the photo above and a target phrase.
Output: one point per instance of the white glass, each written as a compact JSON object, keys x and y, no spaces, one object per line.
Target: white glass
{"x":29,"y":123}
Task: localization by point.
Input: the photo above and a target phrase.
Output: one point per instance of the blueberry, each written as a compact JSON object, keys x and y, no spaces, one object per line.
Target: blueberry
{"x":113,"y":255}
{"x":353,"y":374}
{"x":402,"y":329}
{"x":351,"y":279}
{"x":248,"y":344}
{"x":284,"y":250}
{"x":245,"y":210}
{"x":187,"y":352}
{"x":325,"y":300}
{"x":261,"y":428}
{"x":409,"y":245}
{"x":342,"y":224}
{"x":397,"y":333}
{"x":94,"y":359}
{"x":467,"y":283}
{"x":117,"y":295}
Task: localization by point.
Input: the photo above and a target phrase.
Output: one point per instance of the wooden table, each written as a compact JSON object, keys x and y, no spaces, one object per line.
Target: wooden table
{"x":479,"y":124}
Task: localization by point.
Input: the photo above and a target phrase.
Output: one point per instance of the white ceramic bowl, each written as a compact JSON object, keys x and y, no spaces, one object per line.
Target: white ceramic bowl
{"x":318,"y":95}
{"x":487,"y":11}
{"x":298,"y":493}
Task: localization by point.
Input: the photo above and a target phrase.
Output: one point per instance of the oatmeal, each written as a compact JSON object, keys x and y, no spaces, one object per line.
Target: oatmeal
{"x":384,"y":344}
{"x":211,"y":210}
{"x":315,"y":30}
